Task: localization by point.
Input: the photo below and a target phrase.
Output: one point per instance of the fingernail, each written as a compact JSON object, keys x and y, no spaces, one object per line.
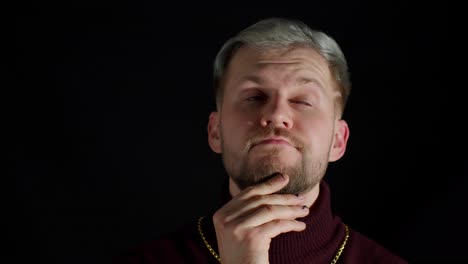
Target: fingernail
{"x":300,"y":196}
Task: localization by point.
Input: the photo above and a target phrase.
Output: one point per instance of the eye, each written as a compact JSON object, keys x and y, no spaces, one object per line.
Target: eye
{"x":301,"y":102}
{"x":255,"y":98}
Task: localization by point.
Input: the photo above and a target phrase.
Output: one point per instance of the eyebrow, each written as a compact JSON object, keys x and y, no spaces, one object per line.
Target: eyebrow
{"x":300,"y":80}
{"x":305,"y":80}
{"x":252,"y":78}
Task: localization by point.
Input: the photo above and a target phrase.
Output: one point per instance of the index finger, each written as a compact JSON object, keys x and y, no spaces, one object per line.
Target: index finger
{"x":272,"y":184}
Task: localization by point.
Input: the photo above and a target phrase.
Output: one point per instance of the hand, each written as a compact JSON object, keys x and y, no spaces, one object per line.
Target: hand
{"x":246,"y":224}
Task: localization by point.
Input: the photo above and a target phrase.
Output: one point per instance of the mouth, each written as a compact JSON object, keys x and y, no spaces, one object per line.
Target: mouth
{"x":272,"y":141}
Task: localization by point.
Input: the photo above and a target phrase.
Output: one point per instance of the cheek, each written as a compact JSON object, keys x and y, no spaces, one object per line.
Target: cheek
{"x":236,"y":129}
{"x":318,"y":135}
{"x":238,"y":118}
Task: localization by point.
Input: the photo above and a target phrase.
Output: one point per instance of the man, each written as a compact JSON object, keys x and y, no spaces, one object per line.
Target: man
{"x":281,"y":89}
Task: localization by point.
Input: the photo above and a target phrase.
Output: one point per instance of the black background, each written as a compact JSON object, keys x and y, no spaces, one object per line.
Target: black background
{"x":110,"y":105}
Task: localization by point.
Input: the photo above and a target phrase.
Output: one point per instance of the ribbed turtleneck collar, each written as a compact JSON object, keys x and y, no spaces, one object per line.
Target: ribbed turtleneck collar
{"x":318,"y":243}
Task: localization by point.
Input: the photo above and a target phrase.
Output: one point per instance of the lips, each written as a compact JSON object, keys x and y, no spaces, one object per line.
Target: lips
{"x":273,"y":141}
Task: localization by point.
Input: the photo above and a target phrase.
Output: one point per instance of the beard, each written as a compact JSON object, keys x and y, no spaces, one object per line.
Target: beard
{"x":304,"y":174}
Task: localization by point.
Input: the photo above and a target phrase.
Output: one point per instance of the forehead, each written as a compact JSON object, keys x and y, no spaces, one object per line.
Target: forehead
{"x":277,"y":63}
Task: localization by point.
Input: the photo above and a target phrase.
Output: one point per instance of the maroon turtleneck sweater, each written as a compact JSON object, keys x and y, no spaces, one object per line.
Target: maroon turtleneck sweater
{"x":317,"y":244}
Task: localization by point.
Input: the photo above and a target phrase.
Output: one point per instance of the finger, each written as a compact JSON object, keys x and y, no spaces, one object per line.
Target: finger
{"x":270,"y":186}
{"x":274,"y":184}
{"x":274,"y":228}
{"x":259,"y":200}
{"x":269,"y":213}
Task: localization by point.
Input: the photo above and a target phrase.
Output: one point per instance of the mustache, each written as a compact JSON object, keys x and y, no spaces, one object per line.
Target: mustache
{"x":275,"y":131}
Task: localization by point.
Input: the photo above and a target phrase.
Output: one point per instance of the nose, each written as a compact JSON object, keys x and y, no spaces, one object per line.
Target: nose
{"x":277,"y":114}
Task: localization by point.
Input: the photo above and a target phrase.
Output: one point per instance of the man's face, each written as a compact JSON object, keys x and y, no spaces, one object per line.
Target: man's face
{"x":278,"y":115}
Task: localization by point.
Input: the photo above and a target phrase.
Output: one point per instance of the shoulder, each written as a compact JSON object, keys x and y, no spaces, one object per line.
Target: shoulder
{"x":179,"y":246}
{"x":361,"y":249}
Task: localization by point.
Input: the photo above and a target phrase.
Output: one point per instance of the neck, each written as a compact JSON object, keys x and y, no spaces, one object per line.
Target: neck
{"x":310,"y":196}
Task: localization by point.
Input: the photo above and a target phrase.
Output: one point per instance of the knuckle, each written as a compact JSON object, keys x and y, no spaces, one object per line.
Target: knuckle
{"x":238,"y":232}
{"x":250,"y":190}
{"x":219,"y":218}
{"x":268,"y":208}
{"x":258,"y":199}
{"x":278,"y":222}
{"x":217,"y":214}
{"x":250,"y":235}
{"x":291,"y":197}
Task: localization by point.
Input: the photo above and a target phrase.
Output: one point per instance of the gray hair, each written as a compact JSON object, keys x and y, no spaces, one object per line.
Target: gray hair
{"x":274,"y":33}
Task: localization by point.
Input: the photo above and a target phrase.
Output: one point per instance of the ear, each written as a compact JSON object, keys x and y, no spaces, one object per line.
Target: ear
{"x":214,"y":138}
{"x":340,"y":139}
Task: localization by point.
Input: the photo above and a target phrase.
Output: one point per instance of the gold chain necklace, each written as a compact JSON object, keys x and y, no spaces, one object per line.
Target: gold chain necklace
{"x":213,"y":252}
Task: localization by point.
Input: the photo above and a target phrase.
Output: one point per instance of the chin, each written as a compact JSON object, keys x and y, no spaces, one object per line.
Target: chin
{"x":297,"y":188}
{"x":279,"y":160}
